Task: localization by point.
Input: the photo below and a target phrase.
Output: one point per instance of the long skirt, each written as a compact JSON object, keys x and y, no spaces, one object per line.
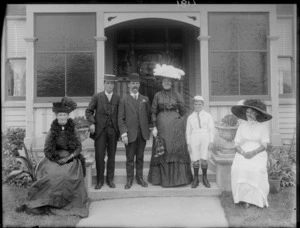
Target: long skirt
{"x":60,"y":189}
{"x":249,"y":179}
{"x":173,"y":168}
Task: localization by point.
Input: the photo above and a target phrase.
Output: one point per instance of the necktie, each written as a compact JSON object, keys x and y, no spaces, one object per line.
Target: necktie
{"x":135,"y":96}
{"x":198,"y":117}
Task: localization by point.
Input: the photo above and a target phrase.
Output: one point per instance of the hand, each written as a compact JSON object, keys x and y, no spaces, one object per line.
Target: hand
{"x":124,"y":139}
{"x":64,"y":160}
{"x":250,"y":154}
{"x":92,"y":128}
{"x":154,"y":132}
{"x":210,"y":146}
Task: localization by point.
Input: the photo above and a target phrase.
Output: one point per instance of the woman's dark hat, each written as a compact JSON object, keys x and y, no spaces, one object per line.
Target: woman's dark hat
{"x":66,"y":105}
{"x":134,"y":77}
{"x":257,"y":105}
{"x":110,"y":77}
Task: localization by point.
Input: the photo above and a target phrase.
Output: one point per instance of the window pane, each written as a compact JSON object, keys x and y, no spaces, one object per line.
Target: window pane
{"x":285,"y":75}
{"x":223,"y":31}
{"x":285,"y":32}
{"x":80,"y":75}
{"x":224,"y":74}
{"x":253,"y":31}
{"x":80,"y":31}
{"x":16,"y":77}
{"x":16,"y":32}
{"x":50,"y":32}
{"x":253,"y":74}
{"x":50,"y":75}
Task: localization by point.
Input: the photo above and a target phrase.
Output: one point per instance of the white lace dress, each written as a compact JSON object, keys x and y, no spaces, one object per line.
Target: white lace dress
{"x":249,"y":177}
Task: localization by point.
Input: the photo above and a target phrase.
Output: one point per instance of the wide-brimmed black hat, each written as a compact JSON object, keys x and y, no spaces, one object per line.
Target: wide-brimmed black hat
{"x":66,"y":105}
{"x":255,"y":104}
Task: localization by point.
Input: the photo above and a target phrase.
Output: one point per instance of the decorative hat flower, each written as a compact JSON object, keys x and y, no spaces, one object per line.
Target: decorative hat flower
{"x":168,"y":71}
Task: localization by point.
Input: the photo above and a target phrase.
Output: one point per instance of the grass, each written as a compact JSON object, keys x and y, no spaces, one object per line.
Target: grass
{"x":14,"y":196}
{"x":280,"y":213}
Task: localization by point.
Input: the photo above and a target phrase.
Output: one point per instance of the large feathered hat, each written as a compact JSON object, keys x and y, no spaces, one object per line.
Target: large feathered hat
{"x":168,"y":71}
{"x":255,"y":104}
{"x":66,"y":105}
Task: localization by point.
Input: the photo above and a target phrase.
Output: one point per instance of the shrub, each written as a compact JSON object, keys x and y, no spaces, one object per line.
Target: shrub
{"x":13,"y":140}
{"x":280,"y":166}
{"x":18,"y":163}
{"x":229,"y":120}
{"x":23,"y":174}
{"x":81,"y":122}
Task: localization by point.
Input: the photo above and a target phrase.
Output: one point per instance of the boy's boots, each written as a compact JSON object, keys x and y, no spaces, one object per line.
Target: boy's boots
{"x":204,"y":176}
{"x":195,"y":182}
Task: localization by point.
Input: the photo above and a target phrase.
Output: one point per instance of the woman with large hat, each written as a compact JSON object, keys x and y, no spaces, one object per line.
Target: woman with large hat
{"x":60,"y":187}
{"x":249,"y":177}
{"x":171,"y":168}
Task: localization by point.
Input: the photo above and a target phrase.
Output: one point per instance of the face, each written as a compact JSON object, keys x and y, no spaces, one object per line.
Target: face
{"x":198,"y":105}
{"x":109,"y":86}
{"x":134,"y":86}
{"x":62,"y":118}
{"x":251,"y":114}
{"x":167,"y":83}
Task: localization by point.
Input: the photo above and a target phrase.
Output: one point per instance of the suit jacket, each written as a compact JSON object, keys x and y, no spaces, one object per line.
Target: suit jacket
{"x":97,"y":113}
{"x":128,"y":117}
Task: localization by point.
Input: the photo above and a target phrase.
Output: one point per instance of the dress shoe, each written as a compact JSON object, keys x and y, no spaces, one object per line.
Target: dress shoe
{"x":21,"y":208}
{"x":99,"y":185}
{"x":141,"y":182}
{"x":195,"y":182}
{"x":128,"y":184}
{"x":111,"y":184}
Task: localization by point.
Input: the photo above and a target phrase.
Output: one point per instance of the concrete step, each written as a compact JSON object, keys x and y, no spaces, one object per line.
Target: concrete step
{"x":121,"y":177}
{"x":152,"y":191}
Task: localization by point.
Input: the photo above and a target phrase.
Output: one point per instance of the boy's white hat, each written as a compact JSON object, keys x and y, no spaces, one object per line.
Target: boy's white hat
{"x":198,"y":98}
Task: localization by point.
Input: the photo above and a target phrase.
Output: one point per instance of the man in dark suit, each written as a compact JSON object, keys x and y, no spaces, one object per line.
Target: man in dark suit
{"x":102,"y":113}
{"x":134,"y":120}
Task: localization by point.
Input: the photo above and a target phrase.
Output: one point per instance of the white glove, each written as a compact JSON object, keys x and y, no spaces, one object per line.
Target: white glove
{"x":154,"y":132}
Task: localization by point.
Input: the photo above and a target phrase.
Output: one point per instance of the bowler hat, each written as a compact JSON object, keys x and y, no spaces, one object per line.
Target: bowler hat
{"x":134,"y":77}
{"x":255,"y":104}
{"x":66,"y":105}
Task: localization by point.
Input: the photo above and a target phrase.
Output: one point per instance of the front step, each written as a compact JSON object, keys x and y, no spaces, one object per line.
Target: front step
{"x":121,"y":178}
{"x":152,"y":191}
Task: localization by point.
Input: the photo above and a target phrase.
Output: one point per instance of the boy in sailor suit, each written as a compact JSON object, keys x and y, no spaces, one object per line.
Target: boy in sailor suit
{"x":200,"y":136}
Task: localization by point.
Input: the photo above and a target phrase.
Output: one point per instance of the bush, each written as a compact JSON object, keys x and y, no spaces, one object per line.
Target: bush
{"x":229,"y":120}
{"x":13,"y":140}
{"x":18,"y":169}
{"x":81,"y":122}
{"x":280,"y":162}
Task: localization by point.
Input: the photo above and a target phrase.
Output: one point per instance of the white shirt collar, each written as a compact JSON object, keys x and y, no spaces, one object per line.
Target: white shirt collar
{"x":133,"y":94}
{"x":108,"y":94}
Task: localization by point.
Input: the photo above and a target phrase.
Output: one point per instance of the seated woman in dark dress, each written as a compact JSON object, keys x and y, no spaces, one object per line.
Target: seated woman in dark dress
{"x":60,"y":187}
{"x":171,"y":168}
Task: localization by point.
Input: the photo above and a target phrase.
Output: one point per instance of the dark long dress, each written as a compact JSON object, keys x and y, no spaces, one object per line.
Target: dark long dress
{"x":59,"y":189}
{"x":173,"y":167}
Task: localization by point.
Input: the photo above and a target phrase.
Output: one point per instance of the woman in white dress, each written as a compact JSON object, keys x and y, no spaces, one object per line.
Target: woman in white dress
{"x":249,"y":177}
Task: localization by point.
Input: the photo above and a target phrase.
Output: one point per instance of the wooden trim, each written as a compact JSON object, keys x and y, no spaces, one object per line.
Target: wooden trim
{"x":275,"y":137}
{"x":100,"y":58}
{"x":46,"y":8}
{"x":12,"y":17}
